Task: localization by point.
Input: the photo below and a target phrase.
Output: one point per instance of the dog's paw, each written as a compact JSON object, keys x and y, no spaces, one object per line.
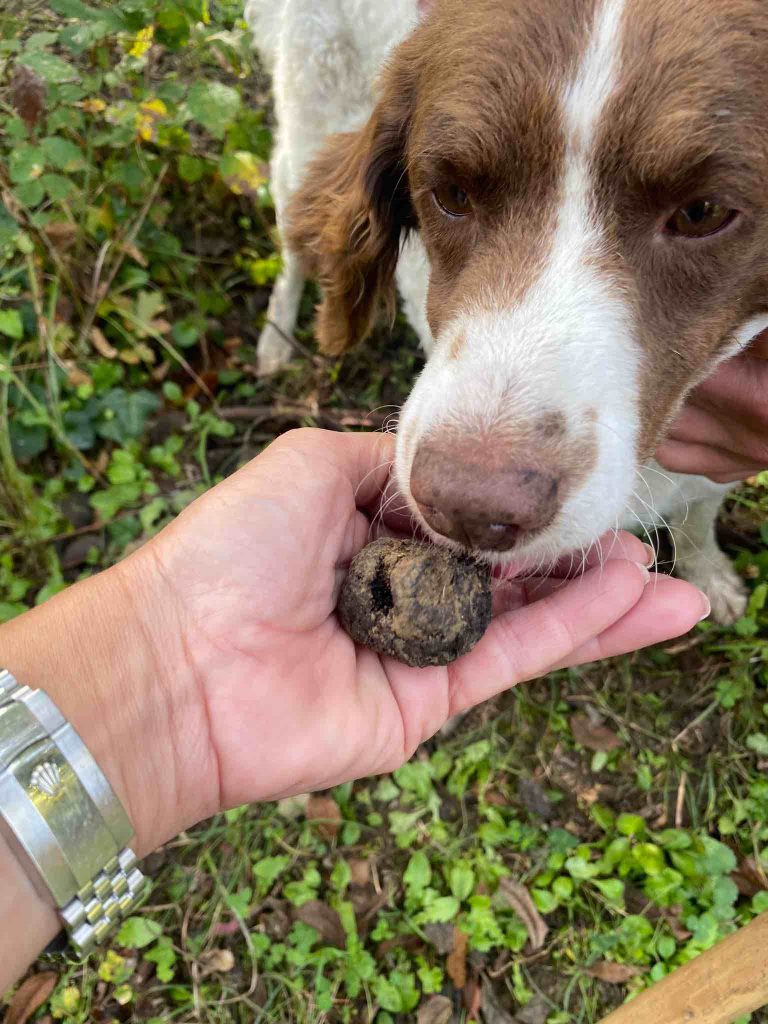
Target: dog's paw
{"x":728,"y":596}
{"x":273,"y":352}
{"x":725,"y":589}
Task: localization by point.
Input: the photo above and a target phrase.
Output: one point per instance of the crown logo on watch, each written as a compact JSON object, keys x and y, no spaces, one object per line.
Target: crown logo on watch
{"x":46,"y":778}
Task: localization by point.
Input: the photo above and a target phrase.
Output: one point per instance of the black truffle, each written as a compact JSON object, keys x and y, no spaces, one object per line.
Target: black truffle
{"x":421,"y":604}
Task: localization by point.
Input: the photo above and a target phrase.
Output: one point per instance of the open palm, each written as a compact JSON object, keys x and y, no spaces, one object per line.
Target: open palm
{"x":252,"y":572}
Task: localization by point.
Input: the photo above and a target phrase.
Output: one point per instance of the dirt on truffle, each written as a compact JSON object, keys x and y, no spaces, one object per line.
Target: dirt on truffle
{"x":421,"y":604}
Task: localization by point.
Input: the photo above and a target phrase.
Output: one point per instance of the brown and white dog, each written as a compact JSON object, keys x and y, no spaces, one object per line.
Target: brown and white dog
{"x":572,"y":198}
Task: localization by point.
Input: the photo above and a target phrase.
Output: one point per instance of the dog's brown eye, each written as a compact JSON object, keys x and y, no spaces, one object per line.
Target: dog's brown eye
{"x":453,"y":200}
{"x":701,"y":219}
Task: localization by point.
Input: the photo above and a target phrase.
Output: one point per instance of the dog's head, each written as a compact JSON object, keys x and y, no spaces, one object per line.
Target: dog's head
{"x":590,"y":181}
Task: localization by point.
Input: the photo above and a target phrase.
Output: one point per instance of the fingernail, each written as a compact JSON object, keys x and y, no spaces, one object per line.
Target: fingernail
{"x":646,"y":574}
{"x":650,"y":555}
{"x":707,"y":607}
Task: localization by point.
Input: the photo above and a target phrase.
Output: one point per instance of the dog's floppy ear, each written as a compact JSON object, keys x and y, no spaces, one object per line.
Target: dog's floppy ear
{"x":346,"y":221}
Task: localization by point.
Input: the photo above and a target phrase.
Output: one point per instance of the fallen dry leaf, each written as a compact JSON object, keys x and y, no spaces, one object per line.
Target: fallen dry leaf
{"x":535,"y":1012}
{"x":30,"y":996}
{"x":76,"y":376}
{"x":614,"y":974}
{"x":135,"y":253}
{"x":27,"y":95}
{"x":217,"y":961}
{"x":518,"y":897}
{"x":326,"y":813}
{"x":360,"y":870}
{"x":102,"y":346}
{"x":292,"y":807}
{"x":535,"y":800}
{"x":473,"y":999}
{"x":750,"y":878}
{"x":407,"y":943}
{"x":324,"y":920}
{"x":493,"y":1011}
{"x":61,"y":234}
{"x":442,"y":937}
{"x":225,"y":928}
{"x":436,"y":1010}
{"x":593,"y":735}
{"x":456,"y":963}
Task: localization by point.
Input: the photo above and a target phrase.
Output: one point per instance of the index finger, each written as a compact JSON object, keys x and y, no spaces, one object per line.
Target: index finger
{"x":526,"y":643}
{"x":363,"y":460}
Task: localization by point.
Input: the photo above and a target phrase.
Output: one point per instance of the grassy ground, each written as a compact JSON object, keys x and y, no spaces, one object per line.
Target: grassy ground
{"x":570,"y":844}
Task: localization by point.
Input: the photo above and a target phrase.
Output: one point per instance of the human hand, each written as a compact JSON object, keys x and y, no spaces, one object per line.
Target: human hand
{"x":722,"y":432}
{"x":248,"y":577}
{"x":209,"y":668}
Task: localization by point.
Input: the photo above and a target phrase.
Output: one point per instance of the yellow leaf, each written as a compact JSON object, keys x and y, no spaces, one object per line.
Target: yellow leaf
{"x":243,"y":173}
{"x":149,"y":114}
{"x":142,"y":41}
{"x":93,"y":106}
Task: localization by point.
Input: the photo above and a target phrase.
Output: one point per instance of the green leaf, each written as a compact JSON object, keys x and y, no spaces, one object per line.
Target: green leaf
{"x":239,"y":902}
{"x":130,"y":410}
{"x":62,"y":154}
{"x":611,"y":888}
{"x":243,"y":173}
{"x":630,"y":825}
{"x":649,"y":857}
{"x":581,"y":869}
{"x":56,"y":186}
{"x":26,"y":163}
{"x":214,"y":105}
{"x":664,"y":888}
{"x":726,"y":893}
{"x":418,"y":873}
{"x":268,"y":870}
{"x":759,"y":743}
{"x":388,"y":995}
{"x":603,"y":816}
{"x":31,"y":193}
{"x":562,"y":887}
{"x":10,"y":610}
{"x":51,"y":69}
{"x":718,"y":859}
{"x":113,"y":499}
{"x":461,"y":880}
{"x":82,"y":12}
{"x":706,"y":931}
{"x":137,"y":932}
{"x":341,"y":876}
{"x":674,"y":839}
{"x":546,"y":901}
{"x":191,"y":169}
{"x":164,"y":957}
{"x":443,"y":909}
{"x":149,"y":515}
{"x":11,"y":324}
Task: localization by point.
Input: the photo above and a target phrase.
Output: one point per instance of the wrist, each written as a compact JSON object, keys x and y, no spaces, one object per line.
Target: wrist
{"x":108,"y":655}
{"x":26,"y":916}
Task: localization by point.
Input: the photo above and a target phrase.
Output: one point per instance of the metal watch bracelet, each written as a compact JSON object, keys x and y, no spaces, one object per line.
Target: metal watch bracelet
{"x":59,"y":813}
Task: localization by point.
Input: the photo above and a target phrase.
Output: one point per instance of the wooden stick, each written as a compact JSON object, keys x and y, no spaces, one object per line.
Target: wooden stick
{"x":727,"y":982}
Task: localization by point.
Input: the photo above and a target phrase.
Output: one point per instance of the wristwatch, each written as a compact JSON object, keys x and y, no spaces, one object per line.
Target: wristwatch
{"x":60,"y":815}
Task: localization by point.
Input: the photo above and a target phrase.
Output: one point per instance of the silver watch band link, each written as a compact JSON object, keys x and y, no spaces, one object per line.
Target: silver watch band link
{"x":58,"y":810}
{"x":105,"y":901}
